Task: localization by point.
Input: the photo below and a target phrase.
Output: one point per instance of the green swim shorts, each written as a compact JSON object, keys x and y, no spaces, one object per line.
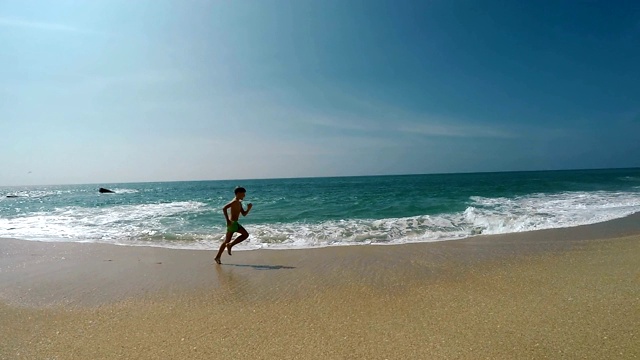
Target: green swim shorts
{"x":233,"y":227}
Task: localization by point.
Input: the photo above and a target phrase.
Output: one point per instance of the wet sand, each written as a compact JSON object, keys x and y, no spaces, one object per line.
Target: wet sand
{"x":565,"y":293}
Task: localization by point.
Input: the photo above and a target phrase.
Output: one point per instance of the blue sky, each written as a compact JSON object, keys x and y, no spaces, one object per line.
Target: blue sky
{"x":119,"y":91}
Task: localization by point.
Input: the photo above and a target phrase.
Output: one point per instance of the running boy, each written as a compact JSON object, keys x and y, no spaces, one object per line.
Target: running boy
{"x":232,"y":222}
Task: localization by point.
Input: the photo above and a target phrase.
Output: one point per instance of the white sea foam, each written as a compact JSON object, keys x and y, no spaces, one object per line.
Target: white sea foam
{"x":168,"y":224}
{"x":123,"y":224}
{"x":124,"y":191}
{"x":484,"y":216}
{"x":36,"y":193}
{"x":630,"y":178}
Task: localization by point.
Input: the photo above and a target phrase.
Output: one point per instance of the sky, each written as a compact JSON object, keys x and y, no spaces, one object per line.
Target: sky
{"x":108,"y":91}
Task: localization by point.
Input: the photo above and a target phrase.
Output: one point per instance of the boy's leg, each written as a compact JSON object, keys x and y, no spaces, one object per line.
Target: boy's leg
{"x":243,"y":236}
{"x":227,"y":239}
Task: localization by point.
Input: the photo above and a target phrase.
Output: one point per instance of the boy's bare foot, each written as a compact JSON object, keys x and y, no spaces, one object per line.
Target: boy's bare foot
{"x":217,"y":261}
{"x":229,"y":249}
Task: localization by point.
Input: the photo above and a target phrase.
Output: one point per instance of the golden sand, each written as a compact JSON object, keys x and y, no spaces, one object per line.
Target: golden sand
{"x":455,"y":300}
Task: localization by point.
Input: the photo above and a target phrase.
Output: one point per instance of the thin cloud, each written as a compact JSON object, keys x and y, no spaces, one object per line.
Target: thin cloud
{"x":335,"y":123}
{"x":368,"y":116}
{"x":455,"y":130}
{"x":390,"y":124}
{"x":17,"y":23}
{"x":141,"y":77}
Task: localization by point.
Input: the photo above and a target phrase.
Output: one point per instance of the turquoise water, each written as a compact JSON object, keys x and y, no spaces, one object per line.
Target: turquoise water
{"x":312,"y":212}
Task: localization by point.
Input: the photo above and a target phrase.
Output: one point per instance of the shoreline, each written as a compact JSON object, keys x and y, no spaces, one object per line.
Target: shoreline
{"x":60,"y":273}
{"x":570,"y":292}
{"x":618,"y":227}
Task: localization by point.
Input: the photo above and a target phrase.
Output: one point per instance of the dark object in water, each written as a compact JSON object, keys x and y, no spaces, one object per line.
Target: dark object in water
{"x":103,"y":190}
{"x":12,"y":196}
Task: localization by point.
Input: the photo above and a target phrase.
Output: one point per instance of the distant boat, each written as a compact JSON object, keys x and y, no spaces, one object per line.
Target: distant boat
{"x":103,"y":191}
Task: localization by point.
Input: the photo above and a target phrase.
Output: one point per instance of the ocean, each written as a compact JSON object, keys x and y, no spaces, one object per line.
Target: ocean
{"x":318,"y":212}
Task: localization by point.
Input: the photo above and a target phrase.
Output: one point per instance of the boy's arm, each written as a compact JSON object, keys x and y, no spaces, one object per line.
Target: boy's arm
{"x":243,"y":212}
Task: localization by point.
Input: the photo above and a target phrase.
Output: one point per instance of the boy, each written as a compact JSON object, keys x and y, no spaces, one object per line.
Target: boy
{"x":232,"y":222}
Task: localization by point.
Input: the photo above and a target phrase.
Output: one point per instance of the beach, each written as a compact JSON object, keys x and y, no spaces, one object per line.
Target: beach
{"x":561,"y":293}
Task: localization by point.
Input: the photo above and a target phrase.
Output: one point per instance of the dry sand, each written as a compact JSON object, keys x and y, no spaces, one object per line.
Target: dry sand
{"x":570,"y":293}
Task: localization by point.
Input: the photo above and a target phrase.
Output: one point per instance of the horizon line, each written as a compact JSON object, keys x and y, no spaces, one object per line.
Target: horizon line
{"x":331,"y":177}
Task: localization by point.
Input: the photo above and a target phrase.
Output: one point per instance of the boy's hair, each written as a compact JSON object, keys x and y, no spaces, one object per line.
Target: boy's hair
{"x":239,"y":189}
